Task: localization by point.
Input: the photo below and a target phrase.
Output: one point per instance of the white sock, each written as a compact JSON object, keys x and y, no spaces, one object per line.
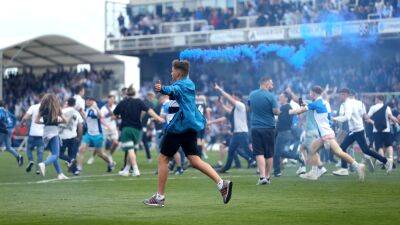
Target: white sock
{"x":127,"y":167}
{"x":355,"y":165}
{"x":79,"y":167}
{"x":110,"y":158}
{"x":135,"y":168}
{"x":220,"y":184}
{"x":159,"y":197}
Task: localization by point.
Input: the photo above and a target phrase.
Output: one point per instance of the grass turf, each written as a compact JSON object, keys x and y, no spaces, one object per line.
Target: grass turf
{"x":96,"y":197}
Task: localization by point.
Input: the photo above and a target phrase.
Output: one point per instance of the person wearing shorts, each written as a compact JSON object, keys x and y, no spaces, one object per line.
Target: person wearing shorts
{"x":111,"y":134}
{"x":94,"y":136}
{"x":263,"y":107}
{"x":130,"y":110}
{"x":182,"y":132}
{"x":327,"y":135}
{"x":380,"y":116}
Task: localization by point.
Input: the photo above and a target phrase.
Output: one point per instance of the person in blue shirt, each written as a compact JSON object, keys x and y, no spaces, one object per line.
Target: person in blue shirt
{"x":263,"y":107}
{"x":7,"y":124}
{"x":326,"y":134}
{"x":182,"y":132}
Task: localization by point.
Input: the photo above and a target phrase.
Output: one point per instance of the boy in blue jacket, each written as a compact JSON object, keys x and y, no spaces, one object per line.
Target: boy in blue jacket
{"x":182,"y":132}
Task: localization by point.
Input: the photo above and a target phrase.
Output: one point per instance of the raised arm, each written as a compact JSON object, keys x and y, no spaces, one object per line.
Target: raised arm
{"x":225,"y":95}
{"x":293,"y":96}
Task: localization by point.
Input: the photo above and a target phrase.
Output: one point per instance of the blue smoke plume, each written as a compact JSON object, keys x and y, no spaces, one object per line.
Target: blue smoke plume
{"x":298,"y":57}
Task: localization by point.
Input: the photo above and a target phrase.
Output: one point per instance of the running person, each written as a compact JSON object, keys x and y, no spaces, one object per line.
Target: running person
{"x":94,"y":136}
{"x":285,"y":136}
{"x":327,"y":135}
{"x":182,"y":132}
{"x":380,"y":116}
{"x":110,"y":134}
{"x":70,"y":133}
{"x":239,"y":143}
{"x":130,"y":111}
{"x":309,"y":135}
{"x":51,"y":116}
{"x":353,"y":113}
{"x":7,"y":122}
{"x":35,"y":139}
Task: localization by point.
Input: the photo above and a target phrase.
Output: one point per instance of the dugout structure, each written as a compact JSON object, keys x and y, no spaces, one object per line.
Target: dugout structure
{"x":55,"y":52}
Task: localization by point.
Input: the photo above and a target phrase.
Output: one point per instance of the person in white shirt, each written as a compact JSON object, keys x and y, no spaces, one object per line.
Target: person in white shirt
{"x":50,"y":115}
{"x":327,"y":135}
{"x":94,"y":136}
{"x":354,"y":112}
{"x":35,"y":139}
{"x":240,"y":139}
{"x":70,"y":133}
{"x":110,"y":134}
{"x":380,"y":116}
{"x":80,"y":102}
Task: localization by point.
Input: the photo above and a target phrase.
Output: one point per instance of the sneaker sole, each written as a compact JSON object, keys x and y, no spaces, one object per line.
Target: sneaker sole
{"x":29,"y":168}
{"x":153,"y":205}
{"x":340,"y":175}
{"x":229,"y":195}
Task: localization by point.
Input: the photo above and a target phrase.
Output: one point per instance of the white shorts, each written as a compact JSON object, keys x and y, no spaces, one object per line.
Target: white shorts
{"x":111,"y":135}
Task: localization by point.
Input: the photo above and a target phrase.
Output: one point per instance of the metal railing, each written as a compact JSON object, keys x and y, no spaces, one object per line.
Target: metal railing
{"x":158,"y":42}
{"x":184,"y":26}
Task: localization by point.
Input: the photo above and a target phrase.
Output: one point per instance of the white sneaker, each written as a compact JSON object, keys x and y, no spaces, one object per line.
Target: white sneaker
{"x":124,"y":173}
{"x":361,"y":171}
{"x":389,"y":165}
{"x":135,"y":173}
{"x":321,"y":171}
{"x":42,"y":168}
{"x":301,"y":170}
{"x":370,"y":164}
{"x":341,"y":172}
{"x":90,"y":161}
{"x":61,"y":176}
{"x":311,"y":175}
{"x":264,"y":181}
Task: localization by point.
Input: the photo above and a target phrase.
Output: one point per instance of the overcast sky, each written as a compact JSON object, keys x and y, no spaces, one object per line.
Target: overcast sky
{"x":82,"y":20}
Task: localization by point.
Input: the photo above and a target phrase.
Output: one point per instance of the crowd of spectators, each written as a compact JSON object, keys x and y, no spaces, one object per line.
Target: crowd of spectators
{"x":22,"y":89}
{"x":265,"y":13}
{"x":378,"y":72}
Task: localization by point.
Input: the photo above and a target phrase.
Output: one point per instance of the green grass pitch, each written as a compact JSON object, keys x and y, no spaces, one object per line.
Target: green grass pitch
{"x":97,"y":197}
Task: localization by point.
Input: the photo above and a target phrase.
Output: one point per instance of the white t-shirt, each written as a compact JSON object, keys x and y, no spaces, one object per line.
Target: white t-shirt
{"x":374,"y":109}
{"x":93,"y":121}
{"x":107,"y":113}
{"x":73,"y":117}
{"x":35,"y":129}
{"x":352,"y":111}
{"x":79,"y":103}
{"x":240,"y":118}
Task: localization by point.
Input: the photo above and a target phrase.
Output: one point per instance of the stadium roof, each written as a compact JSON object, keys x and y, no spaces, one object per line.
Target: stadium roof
{"x":53,"y":51}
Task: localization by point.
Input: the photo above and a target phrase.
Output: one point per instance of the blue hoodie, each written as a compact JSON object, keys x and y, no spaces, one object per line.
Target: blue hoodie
{"x":188,"y":118}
